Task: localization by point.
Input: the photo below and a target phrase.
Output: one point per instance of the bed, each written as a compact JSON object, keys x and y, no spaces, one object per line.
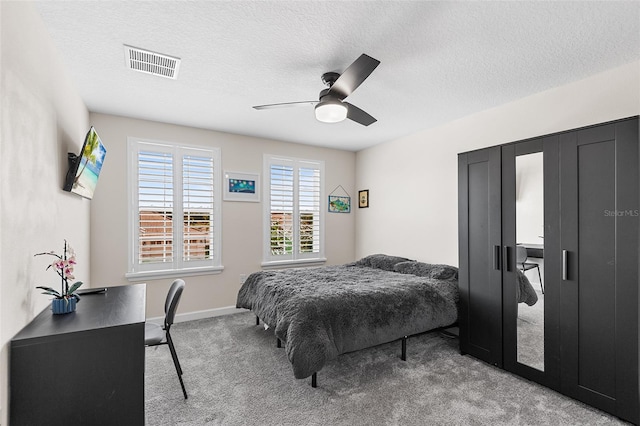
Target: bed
{"x":524,"y":290}
{"x":322,"y":312}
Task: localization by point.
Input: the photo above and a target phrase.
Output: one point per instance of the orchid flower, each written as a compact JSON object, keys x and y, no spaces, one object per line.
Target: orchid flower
{"x":63,"y":265}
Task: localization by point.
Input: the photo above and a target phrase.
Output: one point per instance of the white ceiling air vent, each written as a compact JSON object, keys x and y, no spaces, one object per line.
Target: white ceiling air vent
{"x":151,"y":62}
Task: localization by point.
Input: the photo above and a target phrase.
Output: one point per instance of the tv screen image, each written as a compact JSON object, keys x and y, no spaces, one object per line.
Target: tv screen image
{"x":84,"y":169}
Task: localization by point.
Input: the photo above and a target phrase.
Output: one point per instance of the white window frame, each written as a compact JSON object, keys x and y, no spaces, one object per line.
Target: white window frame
{"x":178,"y":267}
{"x":295,"y":258}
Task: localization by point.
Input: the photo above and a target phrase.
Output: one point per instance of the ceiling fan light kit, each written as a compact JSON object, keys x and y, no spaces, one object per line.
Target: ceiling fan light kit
{"x":330,"y":108}
{"x":331,"y":111}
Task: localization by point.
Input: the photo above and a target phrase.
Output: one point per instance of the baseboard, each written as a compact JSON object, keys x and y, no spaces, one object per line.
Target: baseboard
{"x":196,"y":315}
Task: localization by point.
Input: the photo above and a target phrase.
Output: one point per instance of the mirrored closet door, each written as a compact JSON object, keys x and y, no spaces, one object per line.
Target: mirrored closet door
{"x":530,"y":219}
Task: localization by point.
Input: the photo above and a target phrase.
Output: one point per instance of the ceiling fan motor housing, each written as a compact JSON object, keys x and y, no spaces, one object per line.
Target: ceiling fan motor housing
{"x":325,"y":92}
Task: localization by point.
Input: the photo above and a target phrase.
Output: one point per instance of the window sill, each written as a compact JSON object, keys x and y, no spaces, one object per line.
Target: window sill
{"x":173,"y":273}
{"x":274,"y":264}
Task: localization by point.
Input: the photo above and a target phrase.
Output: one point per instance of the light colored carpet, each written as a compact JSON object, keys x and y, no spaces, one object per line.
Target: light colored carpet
{"x":530,"y":333}
{"x":235,"y":375}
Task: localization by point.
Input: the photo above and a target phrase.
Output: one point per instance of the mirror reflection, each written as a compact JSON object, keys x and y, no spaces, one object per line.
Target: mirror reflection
{"x":530,"y":259}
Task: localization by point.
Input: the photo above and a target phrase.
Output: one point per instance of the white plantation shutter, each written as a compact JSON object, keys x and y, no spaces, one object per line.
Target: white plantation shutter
{"x":293,"y":211}
{"x":309,"y":210}
{"x":175,"y":218}
{"x":155,"y":207}
{"x":282,"y":209}
{"x":198,"y":203}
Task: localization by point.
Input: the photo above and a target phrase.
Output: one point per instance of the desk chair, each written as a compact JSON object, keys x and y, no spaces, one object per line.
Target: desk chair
{"x":155,"y":335}
{"x":521,"y":260}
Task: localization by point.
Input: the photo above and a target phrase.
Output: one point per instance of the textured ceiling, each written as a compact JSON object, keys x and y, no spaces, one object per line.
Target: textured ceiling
{"x":439,"y":60}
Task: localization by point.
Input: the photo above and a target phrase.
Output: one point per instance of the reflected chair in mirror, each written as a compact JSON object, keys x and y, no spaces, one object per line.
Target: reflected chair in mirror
{"x":156,"y":335}
{"x":521,"y":260}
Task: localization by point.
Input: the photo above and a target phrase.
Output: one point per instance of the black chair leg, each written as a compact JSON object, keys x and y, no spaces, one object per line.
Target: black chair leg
{"x":174,"y":355}
{"x":540,"y":278}
{"x":403,"y":356}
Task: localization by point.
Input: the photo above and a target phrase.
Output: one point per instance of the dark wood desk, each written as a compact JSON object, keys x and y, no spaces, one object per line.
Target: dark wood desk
{"x":534,"y":250}
{"x":82,"y":368}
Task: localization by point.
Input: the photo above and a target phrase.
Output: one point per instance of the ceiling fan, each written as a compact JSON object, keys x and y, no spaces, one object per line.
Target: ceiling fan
{"x":331,"y":108}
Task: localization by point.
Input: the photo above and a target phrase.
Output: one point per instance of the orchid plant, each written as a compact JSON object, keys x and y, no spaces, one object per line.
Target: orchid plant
{"x":63,"y":265}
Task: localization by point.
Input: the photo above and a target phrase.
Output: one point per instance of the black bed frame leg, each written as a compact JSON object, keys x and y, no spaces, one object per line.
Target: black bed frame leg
{"x":257,"y":320}
{"x":404,"y":349}
{"x":279,"y":344}
{"x":314,"y":380}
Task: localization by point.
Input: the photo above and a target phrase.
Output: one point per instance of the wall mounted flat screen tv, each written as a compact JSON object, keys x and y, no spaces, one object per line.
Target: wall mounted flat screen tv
{"x":84,"y":169}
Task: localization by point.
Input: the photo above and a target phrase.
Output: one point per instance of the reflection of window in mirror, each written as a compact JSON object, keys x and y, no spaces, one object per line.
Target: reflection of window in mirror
{"x":530,"y":199}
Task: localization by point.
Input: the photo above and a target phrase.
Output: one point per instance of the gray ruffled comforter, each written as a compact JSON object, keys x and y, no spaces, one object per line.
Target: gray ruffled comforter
{"x":524,"y":290}
{"x":320,"y":313}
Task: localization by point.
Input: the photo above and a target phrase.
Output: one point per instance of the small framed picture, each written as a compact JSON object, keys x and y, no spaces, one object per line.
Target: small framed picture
{"x":339,"y":204}
{"x":363,"y":198}
{"x":241,"y":187}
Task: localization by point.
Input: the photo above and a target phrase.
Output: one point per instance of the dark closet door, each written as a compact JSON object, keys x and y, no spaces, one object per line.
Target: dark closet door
{"x":599,"y":287}
{"x":480,"y":254}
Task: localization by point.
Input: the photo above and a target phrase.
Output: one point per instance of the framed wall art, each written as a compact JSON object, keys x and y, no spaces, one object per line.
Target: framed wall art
{"x":339,"y":203}
{"x":363,"y":198}
{"x":241,"y":187}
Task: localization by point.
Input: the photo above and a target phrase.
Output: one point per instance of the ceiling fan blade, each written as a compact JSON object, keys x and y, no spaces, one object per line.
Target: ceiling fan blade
{"x":285,"y":105}
{"x":359,"y":116}
{"x":353,"y":76}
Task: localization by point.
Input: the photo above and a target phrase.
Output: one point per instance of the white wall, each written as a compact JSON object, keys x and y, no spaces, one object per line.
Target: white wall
{"x":241,"y":222}
{"x":412,"y":181}
{"x":42,"y":119}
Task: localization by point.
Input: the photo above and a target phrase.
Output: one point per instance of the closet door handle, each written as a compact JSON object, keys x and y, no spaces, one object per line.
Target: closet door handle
{"x":565,"y":265}
{"x":496,"y":258}
{"x":507,"y":261}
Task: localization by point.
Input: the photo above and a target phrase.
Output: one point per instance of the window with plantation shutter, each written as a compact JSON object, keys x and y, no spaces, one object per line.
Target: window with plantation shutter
{"x":174,"y":215}
{"x":293,"y":211}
